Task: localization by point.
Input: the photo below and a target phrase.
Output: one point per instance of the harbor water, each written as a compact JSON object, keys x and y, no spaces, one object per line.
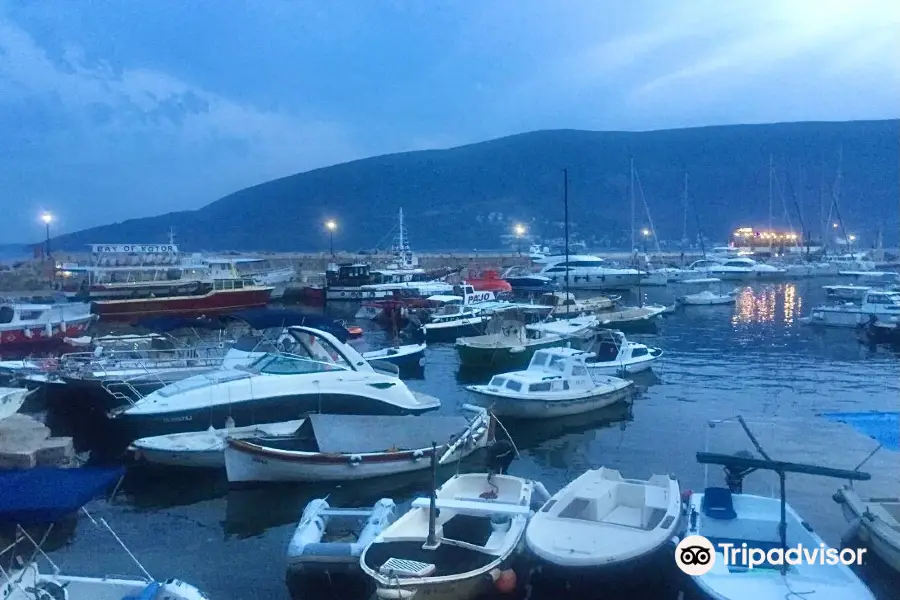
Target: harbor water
{"x":754,"y":359}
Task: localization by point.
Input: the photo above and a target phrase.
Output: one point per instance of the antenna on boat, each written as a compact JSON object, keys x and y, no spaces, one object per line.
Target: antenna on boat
{"x":431,"y":542}
{"x":566,"y":221}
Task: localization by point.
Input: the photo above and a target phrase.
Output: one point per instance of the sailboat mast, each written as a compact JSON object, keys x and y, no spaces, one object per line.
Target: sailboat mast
{"x":566,"y":221}
{"x":631,"y":193}
{"x":771,"y":194}
{"x":684,"y":202}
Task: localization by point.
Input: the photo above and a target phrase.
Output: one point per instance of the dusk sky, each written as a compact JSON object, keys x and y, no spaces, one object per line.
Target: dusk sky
{"x":123,"y":108}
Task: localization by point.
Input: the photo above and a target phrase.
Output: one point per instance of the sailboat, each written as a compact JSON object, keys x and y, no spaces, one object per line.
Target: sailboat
{"x":648,"y":277}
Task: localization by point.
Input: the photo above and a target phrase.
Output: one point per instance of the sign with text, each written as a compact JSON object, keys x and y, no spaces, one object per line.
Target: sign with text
{"x":134,"y":248}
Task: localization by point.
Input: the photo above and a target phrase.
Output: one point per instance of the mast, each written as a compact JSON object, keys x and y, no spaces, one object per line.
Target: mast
{"x":631,"y":193}
{"x":684,"y":202}
{"x":771,"y":195}
{"x":566,"y":219}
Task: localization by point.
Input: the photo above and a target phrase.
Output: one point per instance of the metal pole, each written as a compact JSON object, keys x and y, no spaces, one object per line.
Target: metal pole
{"x":48,"y":240}
{"x":331,"y":242}
{"x":566,"y":217}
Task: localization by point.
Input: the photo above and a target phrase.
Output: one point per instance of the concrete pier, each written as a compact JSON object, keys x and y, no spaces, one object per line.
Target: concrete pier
{"x":25,"y":442}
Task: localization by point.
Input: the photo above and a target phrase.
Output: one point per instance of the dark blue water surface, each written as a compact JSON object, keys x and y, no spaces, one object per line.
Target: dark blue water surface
{"x":753,"y":359}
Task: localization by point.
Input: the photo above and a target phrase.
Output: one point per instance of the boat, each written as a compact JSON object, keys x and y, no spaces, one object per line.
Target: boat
{"x":318,"y":373}
{"x":588,"y":272}
{"x":509,"y":342}
{"x":201,"y":449}
{"x":613,"y":354}
{"x":355,"y":447}
{"x":566,"y":304}
{"x":490,"y":281}
{"x":454,"y":545}
{"x":556,"y":383}
{"x":633,"y":319}
{"x":745,"y":269}
{"x":405,"y":357}
{"x":526,"y":282}
{"x":320,"y":544}
{"x":846,"y":292}
{"x":452,"y":321}
{"x":882,"y":332}
{"x":875,"y":521}
{"x":602,"y":520}
{"x":713,"y":296}
{"x":881,"y":277}
{"x":11,"y":400}
{"x":29,"y":323}
{"x":696,"y":270}
{"x":38,"y":498}
{"x":260,"y":270}
{"x":723,"y":519}
{"x":880,"y":304}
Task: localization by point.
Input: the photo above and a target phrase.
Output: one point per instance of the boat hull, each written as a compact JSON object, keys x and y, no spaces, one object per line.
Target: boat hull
{"x":876,"y":534}
{"x":527,"y":409}
{"x":405,"y":358}
{"x":621,"y":368}
{"x":20,"y":334}
{"x":502,"y":357}
{"x":832,"y":317}
{"x":461,"y":328}
{"x":213,"y":302}
{"x":608,"y":281}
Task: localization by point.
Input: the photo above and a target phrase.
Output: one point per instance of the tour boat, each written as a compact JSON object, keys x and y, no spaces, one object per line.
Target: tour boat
{"x":556,"y":383}
{"x":601,"y":520}
{"x":259,"y":270}
{"x":355,"y":447}
{"x":454,"y":546}
{"x":490,"y":281}
{"x":612,"y":354}
{"x":25,"y":323}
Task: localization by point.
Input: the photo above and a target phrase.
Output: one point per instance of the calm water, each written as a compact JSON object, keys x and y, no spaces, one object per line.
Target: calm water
{"x":754,"y":359}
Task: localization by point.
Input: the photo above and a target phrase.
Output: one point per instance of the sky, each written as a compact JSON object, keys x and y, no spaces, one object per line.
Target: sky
{"x":119,"y":109}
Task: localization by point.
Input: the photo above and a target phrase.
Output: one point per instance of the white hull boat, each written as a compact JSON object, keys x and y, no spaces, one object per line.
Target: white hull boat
{"x":613,"y":354}
{"x":654,"y":279}
{"x":355,"y":447}
{"x":714,"y":296}
{"x":745,"y":269}
{"x":878,"y":304}
{"x":846,"y":292}
{"x":478,"y":528}
{"x":602,"y":520}
{"x":11,"y":400}
{"x":725,"y":518}
{"x":403,"y":357}
{"x":30,"y":584}
{"x":201,"y":449}
{"x":875,"y":521}
{"x":586,"y":272}
{"x":556,"y":383}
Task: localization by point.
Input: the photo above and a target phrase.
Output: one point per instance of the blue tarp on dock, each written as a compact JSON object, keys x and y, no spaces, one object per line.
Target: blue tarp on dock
{"x":48,"y":494}
{"x":883,"y":427}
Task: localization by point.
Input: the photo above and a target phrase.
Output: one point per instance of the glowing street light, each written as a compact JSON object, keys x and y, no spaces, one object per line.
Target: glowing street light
{"x":47,"y":218}
{"x":645,"y":232}
{"x":519,"y":230}
{"x":834,"y":225}
{"x":331,"y":225}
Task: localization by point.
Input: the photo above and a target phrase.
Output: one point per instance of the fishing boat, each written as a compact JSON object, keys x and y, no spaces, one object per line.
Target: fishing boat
{"x":11,"y":400}
{"x":454,"y":545}
{"x":318,"y":373}
{"x":613,"y":354}
{"x":724,"y":519}
{"x":201,"y":449}
{"x":510,"y":342}
{"x":875,"y":521}
{"x":555,"y":384}
{"x":714,"y":295}
{"x":633,"y":319}
{"x":602,"y":520}
{"x":321,"y":544}
{"x":29,"y":323}
{"x":566,"y":304}
{"x":39,"y":498}
{"x":355,"y":447}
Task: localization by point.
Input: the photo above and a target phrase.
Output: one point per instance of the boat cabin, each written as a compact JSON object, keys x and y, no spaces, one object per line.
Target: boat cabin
{"x":23,"y":314}
{"x":550,"y":370}
{"x":558,"y":299}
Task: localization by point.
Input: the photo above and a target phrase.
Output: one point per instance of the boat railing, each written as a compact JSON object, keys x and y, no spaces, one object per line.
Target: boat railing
{"x":195,"y":356}
{"x":114,"y":387}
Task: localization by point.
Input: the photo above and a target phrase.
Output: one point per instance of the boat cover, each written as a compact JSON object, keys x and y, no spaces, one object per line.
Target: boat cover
{"x":269,"y":318}
{"x":880,"y":426}
{"x":359,"y":434}
{"x":47,"y":494}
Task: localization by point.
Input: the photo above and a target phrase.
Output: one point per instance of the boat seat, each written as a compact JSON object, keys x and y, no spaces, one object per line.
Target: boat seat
{"x":148,"y":593}
{"x":718,"y":504}
{"x":655,"y":497}
{"x":629,"y":516}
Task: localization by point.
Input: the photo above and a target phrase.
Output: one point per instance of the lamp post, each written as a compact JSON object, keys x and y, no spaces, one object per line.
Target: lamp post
{"x":646,"y":235}
{"x":47,"y":218}
{"x":520,"y":230}
{"x":850,"y":239}
{"x":331,"y":225}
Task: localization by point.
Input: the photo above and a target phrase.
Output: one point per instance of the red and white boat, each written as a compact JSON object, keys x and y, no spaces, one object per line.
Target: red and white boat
{"x":211,"y":297}
{"x":28,"y":323}
{"x":490,"y":281}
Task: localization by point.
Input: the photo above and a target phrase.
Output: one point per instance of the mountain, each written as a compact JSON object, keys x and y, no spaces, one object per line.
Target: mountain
{"x":470,"y":196}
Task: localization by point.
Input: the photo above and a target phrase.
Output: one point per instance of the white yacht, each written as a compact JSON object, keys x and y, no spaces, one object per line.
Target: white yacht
{"x":880,"y":305}
{"x":697,"y":269}
{"x":587,"y":272}
{"x":319,"y":374}
{"x":744,"y":269}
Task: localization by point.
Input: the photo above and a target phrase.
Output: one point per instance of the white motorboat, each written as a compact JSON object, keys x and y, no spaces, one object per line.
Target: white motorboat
{"x":846,"y":292}
{"x":555,"y":384}
{"x":745,"y":269}
{"x":877,"y":304}
{"x":713,"y":296}
{"x":871,"y":276}
{"x":455,"y":554}
{"x":11,"y":400}
{"x":355,"y":447}
{"x":566,"y":304}
{"x":201,"y":449}
{"x":602,"y":520}
{"x":452,"y":321}
{"x":574,"y":327}
{"x":876,"y":521}
{"x":697,"y":269}
{"x":613,"y":354}
{"x":404,"y":357}
{"x":29,"y":323}
{"x":586,"y":272}
{"x":320,"y":374}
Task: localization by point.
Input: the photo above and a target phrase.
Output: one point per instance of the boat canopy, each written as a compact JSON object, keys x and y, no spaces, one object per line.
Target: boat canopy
{"x":47,"y":494}
{"x":347,"y":434}
{"x":270,"y":318}
{"x":880,"y":426}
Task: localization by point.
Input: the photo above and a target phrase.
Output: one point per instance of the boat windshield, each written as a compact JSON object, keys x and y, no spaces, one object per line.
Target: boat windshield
{"x":557,"y":363}
{"x":282,"y":364}
{"x":540,"y":359}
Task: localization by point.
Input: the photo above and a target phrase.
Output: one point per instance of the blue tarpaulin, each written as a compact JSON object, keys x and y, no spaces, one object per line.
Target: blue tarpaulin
{"x":48,"y":494}
{"x":268,"y":318}
{"x":883,"y":427}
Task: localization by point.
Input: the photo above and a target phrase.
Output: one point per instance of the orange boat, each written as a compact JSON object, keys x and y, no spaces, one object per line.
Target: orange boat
{"x":490,"y":281}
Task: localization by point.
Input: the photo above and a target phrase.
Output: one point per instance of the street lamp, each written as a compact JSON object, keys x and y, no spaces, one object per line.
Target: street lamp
{"x":850,"y":238}
{"x":646,"y":233}
{"x":331,"y":225}
{"x":520,"y":230}
{"x":47,"y":218}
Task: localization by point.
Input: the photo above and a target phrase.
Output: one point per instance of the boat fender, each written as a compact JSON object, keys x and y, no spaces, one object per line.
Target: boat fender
{"x":355,"y":459}
{"x":417,"y":455}
{"x":541,"y":492}
{"x":62,"y":326}
{"x":851,"y":534}
{"x":504,"y":580}
{"x":28,"y":333}
{"x":48,"y":330}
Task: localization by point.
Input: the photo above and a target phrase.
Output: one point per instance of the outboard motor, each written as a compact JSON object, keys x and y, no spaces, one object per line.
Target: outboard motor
{"x":500,"y":455}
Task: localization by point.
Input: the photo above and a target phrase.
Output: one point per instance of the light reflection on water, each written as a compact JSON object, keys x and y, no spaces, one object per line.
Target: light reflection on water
{"x":768,"y":304}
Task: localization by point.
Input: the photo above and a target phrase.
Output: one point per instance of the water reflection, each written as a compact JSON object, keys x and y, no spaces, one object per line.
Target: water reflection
{"x":761,"y":305}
